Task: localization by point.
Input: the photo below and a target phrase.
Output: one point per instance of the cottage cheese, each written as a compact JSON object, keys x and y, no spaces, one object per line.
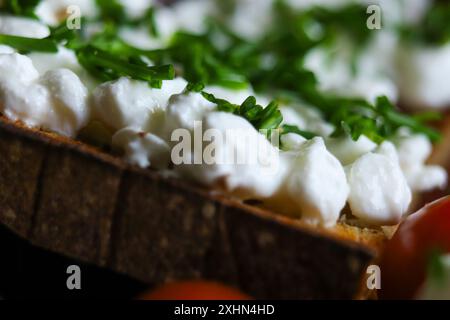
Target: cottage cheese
{"x":63,"y":59}
{"x":347,"y":150}
{"x":23,"y":27}
{"x":238,"y":159}
{"x":422,"y":76}
{"x":315,"y":187}
{"x":143,"y":149}
{"x":56,"y":101}
{"x":125,"y":102}
{"x":184,"y":110}
{"x":413,"y":151}
{"x":304,"y":179}
{"x":379,"y":192}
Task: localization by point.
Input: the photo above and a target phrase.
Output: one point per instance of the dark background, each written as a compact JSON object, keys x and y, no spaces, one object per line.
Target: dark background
{"x":30,"y":272}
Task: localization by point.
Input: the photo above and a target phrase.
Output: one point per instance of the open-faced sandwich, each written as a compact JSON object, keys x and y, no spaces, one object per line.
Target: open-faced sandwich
{"x":259,"y":143}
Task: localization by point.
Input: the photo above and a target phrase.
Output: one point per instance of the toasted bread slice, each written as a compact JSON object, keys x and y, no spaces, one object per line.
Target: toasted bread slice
{"x":75,"y":200}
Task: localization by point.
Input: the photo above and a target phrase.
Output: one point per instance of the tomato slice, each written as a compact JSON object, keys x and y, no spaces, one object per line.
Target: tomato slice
{"x":406,"y":255}
{"x":195,"y":290}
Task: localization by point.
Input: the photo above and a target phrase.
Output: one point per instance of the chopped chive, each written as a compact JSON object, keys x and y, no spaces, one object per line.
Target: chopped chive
{"x":24,"y":44}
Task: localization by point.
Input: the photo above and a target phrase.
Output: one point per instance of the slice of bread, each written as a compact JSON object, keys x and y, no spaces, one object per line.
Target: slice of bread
{"x":73,"y":199}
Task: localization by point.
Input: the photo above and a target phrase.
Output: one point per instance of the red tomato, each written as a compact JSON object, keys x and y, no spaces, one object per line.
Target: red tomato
{"x":195,"y":290}
{"x":404,"y":261}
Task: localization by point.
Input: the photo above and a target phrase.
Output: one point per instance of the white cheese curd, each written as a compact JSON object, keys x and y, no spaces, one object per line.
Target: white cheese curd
{"x":378,"y":58}
{"x":126,"y":102}
{"x":64,"y":58}
{"x":56,"y":101}
{"x":23,"y":27}
{"x":306,"y":4}
{"x":315,"y":187}
{"x":370,"y":88}
{"x":379,"y":192}
{"x":251,"y":18}
{"x":388,"y":149}
{"x":168,"y":89}
{"x":236,"y":96}
{"x":53,"y":12}
{"x":189,"y":15}
{"x":166,"y":23}
{"x":347,"y":150}
{"x":184,"y":110}
{"x":317,"y":184}
{"x":333,"y":71}
{"x":136,"y":8}
{"x":413,"y":10}
{"x":68,"y":111}
{"x":423,"y":76}
{"x":192,"y":14}
{"x":413,"y":152}
{"x":236,"y":158}
{"x":426,"y":178}
{"x":306,"y":118}
{"x":140,"y":37}
{"x":143,"y":149}
{"x":292,"y":141}
{"x":6,"y":49}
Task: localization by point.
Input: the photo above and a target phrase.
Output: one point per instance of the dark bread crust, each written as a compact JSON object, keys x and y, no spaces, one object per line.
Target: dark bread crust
{"x":75,"y":200}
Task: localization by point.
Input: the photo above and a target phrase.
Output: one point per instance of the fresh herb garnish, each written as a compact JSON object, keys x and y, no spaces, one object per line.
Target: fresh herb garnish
{"x":23,"y":44}
{"x":286,"y":128}
{"x":114,"y":12}
{"x":356,"y":117}
{"x":111,"y":10}
{"x":267,"y":118}
{"x":106,"y":67}
{"x":101,"y":64}
{"x":273,"y":65}
{"x":200,"y":61}
{"x":20,"y":7}
{"x":437,"y":269}
{"x":433,"y":28}
{"x":263,"y":119}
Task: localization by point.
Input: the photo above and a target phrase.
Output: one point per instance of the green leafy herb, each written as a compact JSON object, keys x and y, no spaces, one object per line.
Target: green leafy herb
{"x":111,"y":10}
{"x":287,"y":77}
{"x":273,"y":64}
{"x":23,"y":44}
{"x":102,"y":64}
{"x":294,"y":129}
{"x":20,"y":7}
{"x":263,"y":119}
{"x":195,"y":87}
{"x":107,"y":67}
{"x":356,"y":117}
{"x":433,"y":28}
{"x":437,"y":270}
{"x":200,"y":61}
{"x":114,"y":12}
{"x":149,"y":20}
